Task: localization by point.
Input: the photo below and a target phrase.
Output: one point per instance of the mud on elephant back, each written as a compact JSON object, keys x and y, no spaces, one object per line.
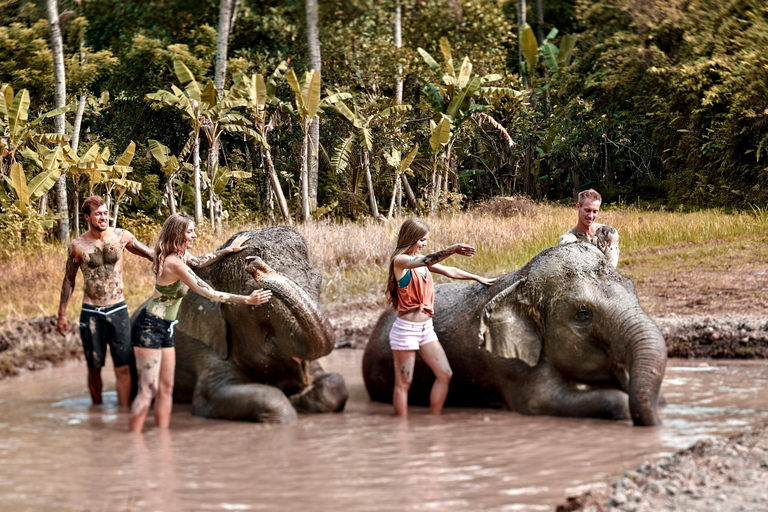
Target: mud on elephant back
{"x":563,"y":336}
{"x":258,"y":363}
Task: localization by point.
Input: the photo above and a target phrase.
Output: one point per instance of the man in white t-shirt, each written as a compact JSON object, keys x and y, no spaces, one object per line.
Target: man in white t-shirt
{"x":587,"y":230}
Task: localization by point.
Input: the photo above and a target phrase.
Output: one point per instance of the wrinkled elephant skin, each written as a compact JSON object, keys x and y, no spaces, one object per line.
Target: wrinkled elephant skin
{"x":563,"y":336}
{"x":258,"y":363}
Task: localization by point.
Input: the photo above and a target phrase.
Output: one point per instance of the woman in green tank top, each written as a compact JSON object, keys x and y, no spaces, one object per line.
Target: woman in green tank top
{"x":152,"y":332}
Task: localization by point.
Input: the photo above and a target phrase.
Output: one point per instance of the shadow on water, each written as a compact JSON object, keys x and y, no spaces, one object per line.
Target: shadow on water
{"x":57,"y":451}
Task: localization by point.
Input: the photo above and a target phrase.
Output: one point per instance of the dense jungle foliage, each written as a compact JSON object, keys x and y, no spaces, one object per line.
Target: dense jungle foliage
{"x":663,"y":100}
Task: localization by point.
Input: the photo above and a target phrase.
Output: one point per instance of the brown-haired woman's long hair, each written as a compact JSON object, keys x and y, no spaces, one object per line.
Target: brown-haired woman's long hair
{"x":412,"y":230}
{"x":172,"y":238}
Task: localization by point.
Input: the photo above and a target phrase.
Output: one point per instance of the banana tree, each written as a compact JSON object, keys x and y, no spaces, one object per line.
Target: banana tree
{"x":259,"y":94}
{"x":308,"y":107}
{"x":114,"y":178}
{"x":80,"y":168}
{"x":24,"y":193}
{"x":17,"y":132}
{"x":190,"y":104}
{"x":219,"y":178}
{"x":361,"y":138}
{"x":453,"y":100}
{"x":171,"y":166}
{"x":401,"y":167}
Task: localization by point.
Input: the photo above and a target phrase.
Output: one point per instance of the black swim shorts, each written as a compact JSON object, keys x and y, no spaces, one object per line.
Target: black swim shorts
{"x":102,"y":326}
{"x":150,"y":331}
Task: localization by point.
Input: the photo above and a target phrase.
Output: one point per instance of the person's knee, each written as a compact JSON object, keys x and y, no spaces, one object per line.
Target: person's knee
{"x":444,"y":374}
{"x":123,"y":371}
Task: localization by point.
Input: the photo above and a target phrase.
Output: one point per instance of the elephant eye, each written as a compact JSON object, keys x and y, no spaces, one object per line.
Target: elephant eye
{"x":583,"y":315}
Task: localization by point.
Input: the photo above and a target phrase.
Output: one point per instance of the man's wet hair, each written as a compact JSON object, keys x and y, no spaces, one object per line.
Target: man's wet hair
{"x":92,"y":202}
{"x":589,"y":195}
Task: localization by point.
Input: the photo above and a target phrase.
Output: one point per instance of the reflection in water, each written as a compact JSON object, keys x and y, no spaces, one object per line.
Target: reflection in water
{"x":57,"y":451}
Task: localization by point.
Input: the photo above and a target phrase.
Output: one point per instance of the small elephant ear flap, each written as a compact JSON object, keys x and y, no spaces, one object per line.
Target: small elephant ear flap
{"x":505,"y":328}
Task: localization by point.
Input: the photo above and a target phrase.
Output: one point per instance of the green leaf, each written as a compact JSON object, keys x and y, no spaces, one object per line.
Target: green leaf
{"x":159,"y":152}
{"x":127,"y":155}
{"x":183,"y":73}
{"x":445,"y":48}
{"x":550,"y":52}
{"x":441,"y":134}
{"x":552,"y":33}
{"x":18,"y":113}
{"x":6,"y":99}
{"x":261,"y":91}
{"x":340,"y":159}
{"x":312,"y":92}
{"x":429,"y":60}
{"x":566,"y":50}
{"x":530,"y":47}
{"x":406,"y":162}
{"x":368,"y":138}
{"x":434,"y":98}
{"x":209,"y":95}
{"x":344,"y":111}
{"x":20,"y":186}
{"x":393,"y":109}
{"x":464,"y":95}
{"x":290,"y":77}
{"x":465,"y":72}
{"x":42,"y":183}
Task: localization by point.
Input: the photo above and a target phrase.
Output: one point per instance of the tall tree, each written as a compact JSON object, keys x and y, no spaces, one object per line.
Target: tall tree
{"x":60,"y":98}
{"x":313,"y":43}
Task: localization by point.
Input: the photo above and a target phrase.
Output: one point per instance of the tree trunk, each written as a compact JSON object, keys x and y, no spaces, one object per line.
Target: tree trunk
{"x":527,"y":172}
{"x":398,"y":29}
{"x":313,"y":44}
{"x":171,"y":196}
{"x":225,"y":25}
{"x":521,"y":21}
{"x":196,"y":174}
{"x":305,"y":212}
{"x":575,"y":179}
{"x":608,"y":170}
{"x":60,"y":99}
{"x":409,"y":195}
{"x":278,"y":191}
{"x":369,"y":183}
{"x":395,"y":195}
{"x":114,"y":213}
{"x":540,"y":20}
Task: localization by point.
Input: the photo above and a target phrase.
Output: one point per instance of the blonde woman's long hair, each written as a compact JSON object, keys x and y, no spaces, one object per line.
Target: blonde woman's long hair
{"x":172,"y":238}
{"x":412,"y":230}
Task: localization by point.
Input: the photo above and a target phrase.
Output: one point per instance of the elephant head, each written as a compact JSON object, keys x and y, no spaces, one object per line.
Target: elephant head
{"x":570,"y":310}
{"x":275,"y":344}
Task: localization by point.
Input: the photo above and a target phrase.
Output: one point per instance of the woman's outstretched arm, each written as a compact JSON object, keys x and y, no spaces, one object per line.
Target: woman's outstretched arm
{"x":212,"y":257}
{"x":457,"y":273}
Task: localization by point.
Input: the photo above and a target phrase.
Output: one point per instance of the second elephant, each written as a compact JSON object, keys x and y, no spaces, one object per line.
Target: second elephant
{"x":563,"y":336}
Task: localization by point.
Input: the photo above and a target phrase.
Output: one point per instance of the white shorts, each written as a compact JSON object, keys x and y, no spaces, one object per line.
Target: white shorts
{"x":411,"y":335}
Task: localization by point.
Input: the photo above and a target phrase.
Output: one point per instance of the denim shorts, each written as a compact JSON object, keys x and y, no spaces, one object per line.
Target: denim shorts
{"x":406,"y":335}
{"x":150,"y":331}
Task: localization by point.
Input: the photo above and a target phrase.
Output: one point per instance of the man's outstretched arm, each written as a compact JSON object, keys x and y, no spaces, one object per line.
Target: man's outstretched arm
{"x":138,"y":248}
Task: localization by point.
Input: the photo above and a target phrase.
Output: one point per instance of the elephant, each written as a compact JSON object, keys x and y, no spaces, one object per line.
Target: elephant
{"x":562,"y":336}
{"x":258,"y":363}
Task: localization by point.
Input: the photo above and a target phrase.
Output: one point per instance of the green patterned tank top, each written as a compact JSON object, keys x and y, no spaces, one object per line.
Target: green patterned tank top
{"x":166,"y":306}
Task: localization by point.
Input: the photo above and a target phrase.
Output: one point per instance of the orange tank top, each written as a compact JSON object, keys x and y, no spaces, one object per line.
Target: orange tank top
{"x":417,"y":293}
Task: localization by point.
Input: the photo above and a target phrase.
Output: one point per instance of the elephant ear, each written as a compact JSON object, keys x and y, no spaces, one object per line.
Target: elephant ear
{"x":506,"y":331}
{"x":202,"y":321}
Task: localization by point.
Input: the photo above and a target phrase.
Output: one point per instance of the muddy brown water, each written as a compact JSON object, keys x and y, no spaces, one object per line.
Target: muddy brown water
{"x":59,"y":452}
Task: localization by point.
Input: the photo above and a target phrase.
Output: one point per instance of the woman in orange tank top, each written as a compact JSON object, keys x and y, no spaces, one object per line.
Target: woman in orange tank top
{"x":412,"y":295}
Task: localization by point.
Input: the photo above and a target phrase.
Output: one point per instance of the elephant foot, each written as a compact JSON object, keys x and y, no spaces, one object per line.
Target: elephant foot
{"x":327,"y":394}
{"x":244,"y":402}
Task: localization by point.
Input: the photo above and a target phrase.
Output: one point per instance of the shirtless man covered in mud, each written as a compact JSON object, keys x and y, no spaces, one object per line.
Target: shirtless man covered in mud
{"x":587,"y":230}
{"x":104,"y":319}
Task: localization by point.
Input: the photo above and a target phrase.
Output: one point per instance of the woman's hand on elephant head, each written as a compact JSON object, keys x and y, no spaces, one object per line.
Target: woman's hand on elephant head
{"x":259,"y":296}
{"x":237,"y":243}
{"x":485,"y":280}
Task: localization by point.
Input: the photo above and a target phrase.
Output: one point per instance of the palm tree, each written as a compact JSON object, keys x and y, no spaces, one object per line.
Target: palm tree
{"x":60,"y":99}
{"x":313,"y":46}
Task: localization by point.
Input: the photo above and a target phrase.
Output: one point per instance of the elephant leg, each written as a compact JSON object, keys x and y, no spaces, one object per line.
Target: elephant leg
{"x":551,"y":395}
{"x":326,"y":394}
{"x":244,"y":402}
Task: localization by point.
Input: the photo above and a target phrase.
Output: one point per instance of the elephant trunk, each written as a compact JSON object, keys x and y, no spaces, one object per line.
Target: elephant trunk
{"x":314,"y":324}
{"x":646,"y":360}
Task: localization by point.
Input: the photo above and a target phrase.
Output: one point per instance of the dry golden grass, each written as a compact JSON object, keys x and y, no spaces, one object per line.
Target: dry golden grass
{"x":353,"y":256}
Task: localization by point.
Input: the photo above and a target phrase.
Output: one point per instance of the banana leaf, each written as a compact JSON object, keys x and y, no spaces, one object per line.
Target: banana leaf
{"x":340,"y":159}
{"x":445,"y":48}
{"x":465,"y":72}
{"x":441,"y":134}
{"x":429,"y":60}
{"x":566,"y":50}
{"x":6,"y":99}
{"x":464,"y":95}
{"x":550,"y":53}
{"x":18,"y":113}
{"x":312,"y":89}
{"x":530,"y":48}
{"x":127,"y":156}
{"x":42,"y":183}
{"x":19,"y":180}
{"x":434,"y":98}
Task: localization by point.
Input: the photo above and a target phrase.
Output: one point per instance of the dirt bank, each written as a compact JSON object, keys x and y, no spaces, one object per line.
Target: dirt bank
{"x":34,"y":344}
{"x":714,"y":474}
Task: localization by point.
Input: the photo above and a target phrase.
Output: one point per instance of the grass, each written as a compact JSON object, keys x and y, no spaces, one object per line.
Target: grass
{"x":353,"y":256}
